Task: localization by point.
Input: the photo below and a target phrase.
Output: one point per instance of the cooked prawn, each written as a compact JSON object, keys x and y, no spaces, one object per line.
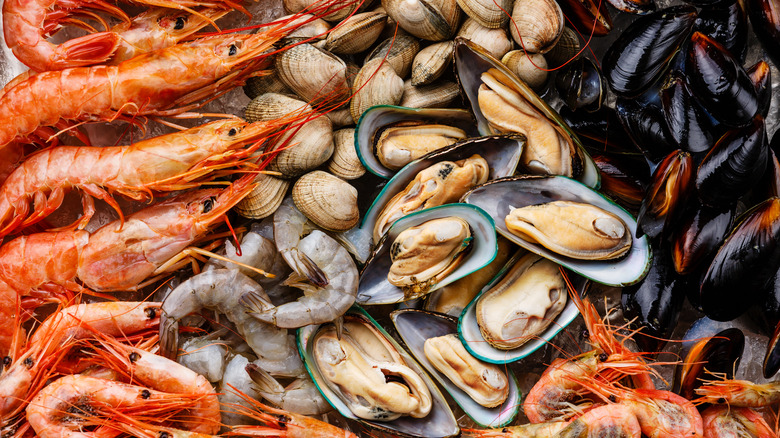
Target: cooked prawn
{"x":721,"y":421}
{"x":530,"y":430}
{"x":616,"y":420}
{"x":740,"y":393}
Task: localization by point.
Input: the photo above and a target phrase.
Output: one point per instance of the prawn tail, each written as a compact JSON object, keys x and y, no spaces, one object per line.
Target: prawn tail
{"x":264,"y":382}
{"x":96,"y":48}
{"x":304,"y":266}
{"x":169,"y":337}
{"x":257,"y":306}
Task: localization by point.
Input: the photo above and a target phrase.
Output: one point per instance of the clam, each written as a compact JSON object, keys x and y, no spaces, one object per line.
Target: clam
{"x":422,"y":257}
{"x":499,"y":197}
{"x":311,"y":26}
{"x":537,"y":24}
{"x":376,"y":84}
{"x":529,"y":67}
{"x":400,"y":51}
{"x":494,"y":41}
{"x":356,"y":34}
{"x":559,"y":150}
{"x":313,"y":73}
{"x":332,"y":10}
{"x":437,"y":95}
{"x":566,"y":49}
{"x":376,"y":121}
{"x":264,"y":199}
{"x":432,"y":339}
{"x":433,"y":20}
{"x":431,"y":62}
{"x":327,"y":200}
{"x":403,"y":142}
{"x":368,"y":368}
{"x":344,"y":163}
{"x":523,"y":304}
{"x":270,"y":83}
{"x":488,"y":13}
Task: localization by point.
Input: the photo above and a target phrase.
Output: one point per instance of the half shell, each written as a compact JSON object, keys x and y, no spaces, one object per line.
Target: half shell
{"x":376,"y":83}
{"x":327,"y":200}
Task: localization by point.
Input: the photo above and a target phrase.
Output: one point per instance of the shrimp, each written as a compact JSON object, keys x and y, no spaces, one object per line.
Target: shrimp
{"x":740,"y":393}
{"x":169,"y":162}
{"x":71,"y":323}
{"x":50,"y":266}
{"x":221,"y":289}
{"x":27,"y":23}
{"x":530,"y":430}
{"x":319,"y":304}
{"x":289,"y":226}
{"x":613,"y":420}
{"x":301,"y":396}
{"x":722,"y":421}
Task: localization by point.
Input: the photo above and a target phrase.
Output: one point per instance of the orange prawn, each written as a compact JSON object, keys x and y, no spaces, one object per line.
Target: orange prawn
{"x":51,"y":265}
{"x":740,"y":393}
{"x":722,"y":421}
{"x":27,"y":24}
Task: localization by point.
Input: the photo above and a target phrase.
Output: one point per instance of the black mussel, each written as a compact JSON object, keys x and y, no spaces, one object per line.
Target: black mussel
{"x":654,"y":303}
{"x":720,"y":83}
{"x":772,"y":358}
{"x":580,"y":86}
{"x":769,"y":314}
{"x":726,"y":24}
{"x":623,"y":178}
{"x":761,"y":75}
{"x":667,"y":195}
{"x":587,"y":16}
{"x":745,"y":264}
{"x":641,"y":53}
{"x":765,"y":18}
{"x":645,"y":123}
{"x":690,"y":125}
{"x":634,"y":6}
{"x":703,"y":230}
{"x":734,"y":165}
{"x":601,"y":132}
{"x":717,"y":354}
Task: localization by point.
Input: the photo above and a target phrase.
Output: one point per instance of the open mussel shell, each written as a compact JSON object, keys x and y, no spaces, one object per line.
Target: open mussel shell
{"x":374,"y":288}
{"x":439,"y":423}
{"x":377,"y":118}
{"x":499,"y":197}
{"x":415,"y":327}
{"x":474,"y":341}
{"x":502,"y":153}
{"x":702,"y":355}
{"x":471,"y":61}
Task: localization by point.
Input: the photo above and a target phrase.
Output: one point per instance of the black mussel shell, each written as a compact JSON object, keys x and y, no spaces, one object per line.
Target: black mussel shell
{"x":580,"y":86}
{"x":720,"y":83}
{"x":587,"y":16}
{"x":703,"y":230}
{"x":734,"y":165}
{"x":772,"y":358}
{"x":623,"y":178}
{"x":667,"y":195}
{"x":765,"y":18}
{"x":744,"y":265}
{"x":641,"y":53}
{"x":646,"y":125}
{"x":601,"y":132}
{"x":654,"y":303}
{"x":690,"y":125}
{"x":718,"y":354}
{"x":726,"y":24}
{"x":761,"y":75}
{"x":634,"y":6}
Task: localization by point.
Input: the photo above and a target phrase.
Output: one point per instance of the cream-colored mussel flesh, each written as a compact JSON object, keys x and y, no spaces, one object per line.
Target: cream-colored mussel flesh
{"x":422,"y":255}
{"x":547,"y":150}
{"x":572,"y":229}
{"x":369,"y":373}
{"x":406,"y":141}
{"x":487,"y":384}
{"x":522,"y":304}
{"x":439,"y":184}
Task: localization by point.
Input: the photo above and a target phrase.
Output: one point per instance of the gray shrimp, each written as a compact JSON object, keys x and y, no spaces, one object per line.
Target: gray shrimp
{"x":301,"y":396}
{"x":289,"y":226}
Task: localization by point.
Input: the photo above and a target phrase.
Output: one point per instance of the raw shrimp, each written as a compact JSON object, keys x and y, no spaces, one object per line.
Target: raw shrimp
{"x":301,"y":396}
{"x":290,"y":225}
{"x":531,"y":430}
{"x":722,"y":421}
{"x":256,"y":251}
{"x":319,"y":304}
{"x":740,"y":393}
{"x":235,"y":380}
{"x":49,"y":266}
{"x":221,"y":289}
{"x":27,"y":23}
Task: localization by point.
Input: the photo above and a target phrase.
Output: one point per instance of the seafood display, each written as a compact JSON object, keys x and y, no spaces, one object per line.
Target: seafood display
{"x":425,"y":218}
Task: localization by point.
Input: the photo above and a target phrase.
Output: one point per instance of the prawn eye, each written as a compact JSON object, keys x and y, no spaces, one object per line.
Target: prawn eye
{"x":6,"y":361}
{"x":180,"y":22}
{"x":28,"y":362}
{"x":603,"y":357}
{"x":612,"y":398}
{"x":232,"y":132}
{"x":232,"y":50}
{"x":208,"y":204}
{"x":151,"y":312}
{"x":134,"y":357}
{"x":165,"y":435}
{"x":145,"y":394}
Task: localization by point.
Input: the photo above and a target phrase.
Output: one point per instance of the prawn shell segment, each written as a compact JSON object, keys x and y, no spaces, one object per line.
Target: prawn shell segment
{"x":419,"y":328}
{"x":473,"y":64}
{"x":501,"y":153}
{"x":363,"y":340}
{"x":381,"y":123}
{"x":376,"y":288}
{"x":498,"y":198}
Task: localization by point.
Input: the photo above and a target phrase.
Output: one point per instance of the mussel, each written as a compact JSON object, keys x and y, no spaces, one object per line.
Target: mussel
{"x":672,"y":183}
{"x":717,"y":353}
{"x":703,"y":230}
{"x":726,"y":24}
{"x":579,"y":84}
{"x":688,"y":122}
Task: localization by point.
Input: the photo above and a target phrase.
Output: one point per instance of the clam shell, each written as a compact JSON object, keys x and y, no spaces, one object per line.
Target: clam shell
{"x":270,"y":83}
{"x":538,"y":24}
{"x":402,"y":52}
{"x":566,"y":49}
{"x":374,"y":287}
{"x":488,"y":13}
{"x":313,"y":27}
{"x":431,"y":62}
{"x":344,"y":163}
{"x":494,"y":41}
{"x":529,"y":67}
{"x":340,"y":118}
{"x":313,"y":73}
{"x":497,"y":198}
{"x":376,"y":84}
{"x":341,"y":8}
{"x":272,"y":106}
{"x":356,"y":34}
{"x":264,"y":199}
{"x":433,"y":20}
{"x":439,"y":423}
{"x":415,"y":327}
{"x":326,"y":200}
{"x":376,"y":118}
{"x":471,"y":61}
{"x":437,"y":95}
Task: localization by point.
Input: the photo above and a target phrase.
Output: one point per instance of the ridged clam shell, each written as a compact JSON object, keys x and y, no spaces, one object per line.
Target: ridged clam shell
{"x":403,"y":49}
{"x":433,"y":20}
{"x":271,"y":106}
{"x":356,"y":34}
{"x":488,"y":13}
{"x":567,"y":47}
{"x":529,"y":67}
{"x":345,"y":162}
{"x":264,"y":199}
{"x":431,"y":62}
{"x":313,"y":73}
{"x":315,"y":28}
{"x":377,"y":83}
{"x":340,"y":118}
{"x":326,"y":200}
{"x":269,"y":83}
{"x":495,"y":41}
{"x":341,"y":8}
{"x":438,"y":95}
{"x":539,"y":24}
